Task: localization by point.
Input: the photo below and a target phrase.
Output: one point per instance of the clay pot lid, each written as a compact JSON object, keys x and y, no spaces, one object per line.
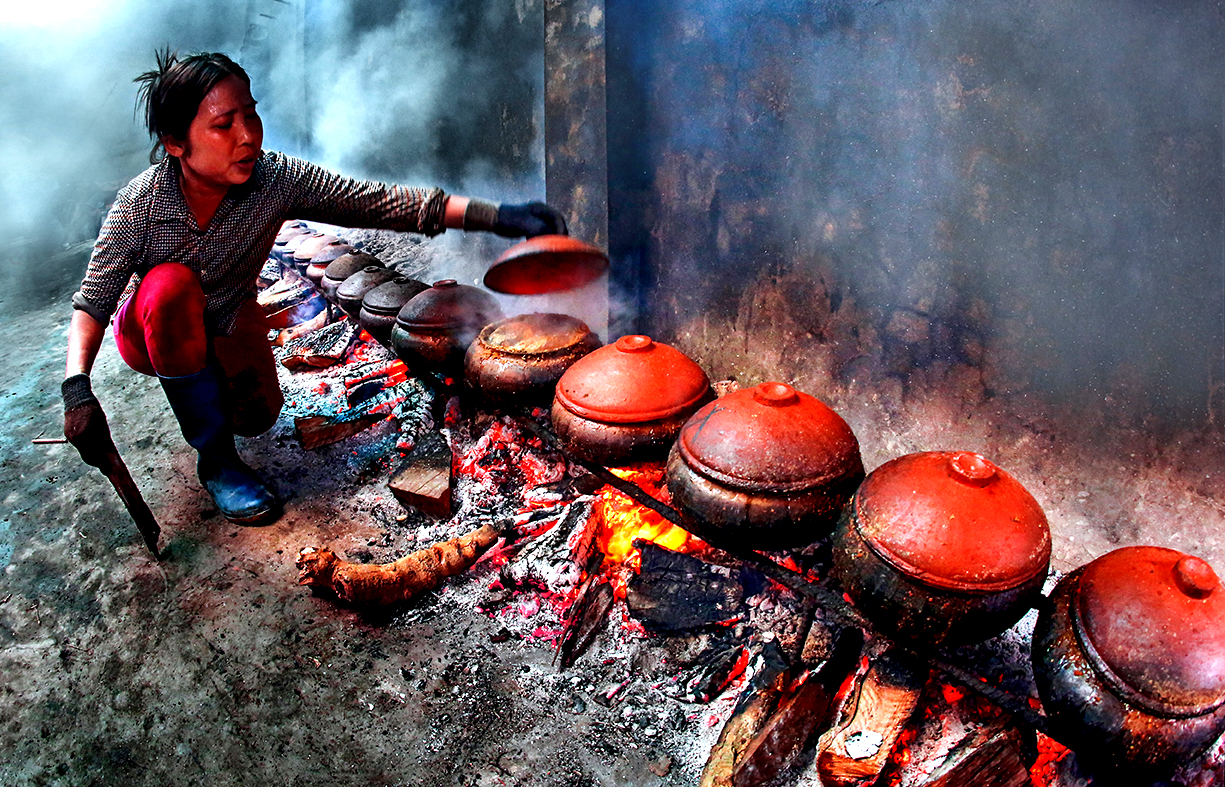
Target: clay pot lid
{"x":290,"y":229}
{"x":534,"y":334}
{"x":328,"y":253}
{"x":296,"y":241}
{"x":346,"y":265}
{"x":1153,"y":623}
{"x":390,"y":296}
{"x":448,"y":304}
{"x":953,"y":520}
{"x":770,"y":438}
{"x":546,"y":263}
{"x":356,"y":286}
{"x":633,"y":380}
{"x":311,"y":246}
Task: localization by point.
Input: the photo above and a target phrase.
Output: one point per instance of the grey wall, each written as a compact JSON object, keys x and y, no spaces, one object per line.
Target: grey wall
{"x":416,"y":91}
{"x":1032,"y":191}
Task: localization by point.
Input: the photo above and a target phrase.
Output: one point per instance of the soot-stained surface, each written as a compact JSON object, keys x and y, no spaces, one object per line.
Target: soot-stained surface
{"x":214,"y":662}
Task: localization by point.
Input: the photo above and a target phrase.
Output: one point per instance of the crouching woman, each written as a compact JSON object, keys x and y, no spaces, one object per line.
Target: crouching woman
{"x":176,"y":262}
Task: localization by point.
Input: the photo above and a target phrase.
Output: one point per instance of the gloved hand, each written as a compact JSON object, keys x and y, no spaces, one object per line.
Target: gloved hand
{"x":514,"y":221}
{"x":84,"y":422}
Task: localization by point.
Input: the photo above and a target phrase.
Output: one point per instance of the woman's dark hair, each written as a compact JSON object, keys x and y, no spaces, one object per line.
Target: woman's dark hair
{"x":171,"y":94}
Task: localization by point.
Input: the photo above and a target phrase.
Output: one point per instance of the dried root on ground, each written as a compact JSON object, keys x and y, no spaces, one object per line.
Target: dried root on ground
{"x":369,"y":585}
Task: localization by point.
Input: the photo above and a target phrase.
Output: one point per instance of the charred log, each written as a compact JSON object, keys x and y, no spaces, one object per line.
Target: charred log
{"x":807,"y":710}
{"x":674,"y":592}
{"x":756,"y":705}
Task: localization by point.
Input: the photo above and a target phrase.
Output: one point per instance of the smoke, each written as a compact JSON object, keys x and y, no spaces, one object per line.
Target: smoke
{"x":1043,"y":181}
{"x":418,"y":92}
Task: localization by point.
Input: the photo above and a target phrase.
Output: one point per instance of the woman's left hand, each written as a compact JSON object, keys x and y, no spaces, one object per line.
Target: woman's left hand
{"x":529,"y":220}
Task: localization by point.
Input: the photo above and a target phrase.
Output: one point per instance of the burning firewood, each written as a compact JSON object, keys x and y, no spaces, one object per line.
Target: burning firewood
{"x":757,"y":703}
{"x":318,"y":348}
{"x":371,"y":585}
{"x":588,"y":613}
{"x":675,"y":592}
{"x":855,"y":751}
{"x":290,"y":301}
{"x":807,"y":709}
{"x":991,"y":758}
{"x":555,"y":558}
{"x":283,"y":336}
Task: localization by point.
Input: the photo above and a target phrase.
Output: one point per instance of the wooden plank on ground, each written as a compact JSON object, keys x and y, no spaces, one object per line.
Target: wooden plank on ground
{"x":422,"y":480}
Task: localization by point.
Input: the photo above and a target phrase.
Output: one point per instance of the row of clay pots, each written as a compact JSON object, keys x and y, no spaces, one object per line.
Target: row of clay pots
{"x":455,"y":329}
{"x":936,"y":548}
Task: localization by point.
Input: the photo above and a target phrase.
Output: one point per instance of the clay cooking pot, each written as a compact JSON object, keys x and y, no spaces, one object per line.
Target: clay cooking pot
{"x":382,"y":303}
{"x":768,"y":464}
{"x":308,"y":248}
{"x":342,"y":268}
{"x":1129,"y":659}
{"x":942,"y":547}
{"x":284,"y":252}
{"x":322,"y":259}
{"x":627,"y":401}
{"x":434,"y":328}
{"x":519,"y":360}
{"x":289,"y":230}
{"x":352,"y":290}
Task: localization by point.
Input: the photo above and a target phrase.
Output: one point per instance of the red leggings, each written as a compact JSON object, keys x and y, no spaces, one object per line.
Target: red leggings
{"x":160,"y":331}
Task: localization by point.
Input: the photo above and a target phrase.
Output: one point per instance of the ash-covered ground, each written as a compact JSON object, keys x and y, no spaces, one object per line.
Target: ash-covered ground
{"x":214,"y":664}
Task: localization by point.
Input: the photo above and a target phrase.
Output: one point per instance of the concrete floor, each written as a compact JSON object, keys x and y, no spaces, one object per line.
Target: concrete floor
{"x":213,"y":664}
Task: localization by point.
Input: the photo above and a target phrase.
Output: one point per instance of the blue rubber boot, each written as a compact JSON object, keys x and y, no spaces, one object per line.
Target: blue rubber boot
{"x":238,"y":492}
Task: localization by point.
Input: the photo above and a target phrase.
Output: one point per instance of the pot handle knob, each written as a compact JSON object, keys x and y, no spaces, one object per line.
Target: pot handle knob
{"x":775,"y":394}
{"x":634,"y":343}
{"x":1195,"y":577}
{"x":971,"y":468}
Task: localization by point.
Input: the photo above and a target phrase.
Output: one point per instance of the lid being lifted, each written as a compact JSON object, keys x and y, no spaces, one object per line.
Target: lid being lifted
{"x":544,"y":264}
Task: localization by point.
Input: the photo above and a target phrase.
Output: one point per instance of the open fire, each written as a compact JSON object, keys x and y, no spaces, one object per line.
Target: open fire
{"x":624,"y":522}
{"x":761,"y":673}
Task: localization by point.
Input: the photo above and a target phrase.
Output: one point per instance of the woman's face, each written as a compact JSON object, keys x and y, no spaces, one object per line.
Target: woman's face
{"x":224,"y":139}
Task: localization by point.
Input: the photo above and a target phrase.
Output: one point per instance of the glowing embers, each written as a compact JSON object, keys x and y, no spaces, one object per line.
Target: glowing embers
{"x":505,"y":457}
{"x":624,"y":521}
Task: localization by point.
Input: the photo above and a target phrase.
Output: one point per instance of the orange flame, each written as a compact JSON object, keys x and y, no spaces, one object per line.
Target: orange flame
{"x":623,"y":520}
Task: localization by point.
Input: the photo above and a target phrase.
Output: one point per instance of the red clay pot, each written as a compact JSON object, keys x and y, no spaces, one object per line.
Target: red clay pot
{"x":626,"y":402}
{"x":1129,"y":659}
{"x":942,"y":547}
{"x":767,"y":464}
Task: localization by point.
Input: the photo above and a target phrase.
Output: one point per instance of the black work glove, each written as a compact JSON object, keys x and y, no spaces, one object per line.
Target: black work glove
{"x":85,"y":423}
{"x":514,"y":221}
